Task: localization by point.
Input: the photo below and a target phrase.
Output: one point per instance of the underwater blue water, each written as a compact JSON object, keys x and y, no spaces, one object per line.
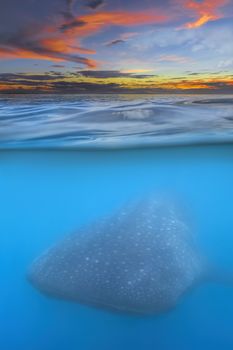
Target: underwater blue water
{"x":47,"y":193}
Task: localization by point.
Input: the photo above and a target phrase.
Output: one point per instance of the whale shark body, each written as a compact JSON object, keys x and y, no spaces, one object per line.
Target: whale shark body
{"x":142,"y":260}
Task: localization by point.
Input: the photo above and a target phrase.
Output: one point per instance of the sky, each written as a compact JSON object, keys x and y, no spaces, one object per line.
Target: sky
{"x":116,"y":46}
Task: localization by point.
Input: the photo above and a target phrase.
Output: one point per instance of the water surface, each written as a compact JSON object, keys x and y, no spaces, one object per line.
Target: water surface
{"x":113,"y":121}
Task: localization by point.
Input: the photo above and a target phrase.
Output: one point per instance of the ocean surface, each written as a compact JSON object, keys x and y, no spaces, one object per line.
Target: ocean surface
{"x":113,"y":121}
{"x":68,"y":160}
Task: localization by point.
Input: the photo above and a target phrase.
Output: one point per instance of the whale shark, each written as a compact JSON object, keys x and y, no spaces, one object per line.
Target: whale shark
{"x":141,"y":259}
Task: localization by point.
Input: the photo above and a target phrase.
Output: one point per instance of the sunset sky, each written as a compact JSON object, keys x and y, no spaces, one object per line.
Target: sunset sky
{"x":116,"y":46}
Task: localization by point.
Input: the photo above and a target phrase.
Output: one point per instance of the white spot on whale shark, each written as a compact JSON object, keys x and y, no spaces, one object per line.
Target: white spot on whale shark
{"x":142,"y":259}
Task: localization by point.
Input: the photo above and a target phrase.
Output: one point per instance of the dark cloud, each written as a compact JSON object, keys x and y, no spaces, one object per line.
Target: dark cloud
{"x":58,"y":66}
{"x":103,"y":74}
{"x":7,"y":77}
{"x":70,"y":4}
{"x":94,"y":4}
{"x":54,"y":82}
{"x":62,"y":87}
{"x":194,"y":73}
{"x":67,"y":15}
{"x":79,"y":87}
{"x":55,"y":73}
{"x":26,"y":83}
{"x":220,"y":85}
{"x":68,"y":12}
{"x":17,"y":78}
{"x":57,"y":82}
{"x":75,"y":23}
{"x":115,"y":42}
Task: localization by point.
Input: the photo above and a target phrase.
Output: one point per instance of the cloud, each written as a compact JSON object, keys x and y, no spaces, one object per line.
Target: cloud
{"x":214,"y":41}
{"x":68,"y":11}
{"x":102,"y":74}
{"x":45,"y":43}
{"x":81,"y":87}
{"x":94,"y":4}
{"x":58,"y":65}
{"x":173,"y":58}
{"x":94,"y":22}
{"x":226,"y":63}
{"x":115,"y":42}
{"x":70,"y":4}
{"x":29,"y":45}
{"x":205,"y":11}
{"x":13,"y":77}
{"x":123,"y":38}
{"x":194,"y":73}
{"x":60,"y":40}
{"x":206,"y":47}
{"x":74,"y":23}
{"x":105,"y":74}
{"x":108,"y":82}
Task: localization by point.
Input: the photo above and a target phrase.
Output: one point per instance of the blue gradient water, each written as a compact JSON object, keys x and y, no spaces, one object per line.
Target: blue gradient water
{"x":45,"y":194}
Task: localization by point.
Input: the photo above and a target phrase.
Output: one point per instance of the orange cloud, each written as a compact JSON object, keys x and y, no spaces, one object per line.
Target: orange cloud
{"x":207,"y":10}
{"x":55,"y":47}
{"x":90,"y":23}
{"x":61,"y":41}
{"x":6,"y":53}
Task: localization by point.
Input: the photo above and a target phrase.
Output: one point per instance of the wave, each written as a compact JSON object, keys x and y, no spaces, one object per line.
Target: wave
{"x":119,"y":121}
